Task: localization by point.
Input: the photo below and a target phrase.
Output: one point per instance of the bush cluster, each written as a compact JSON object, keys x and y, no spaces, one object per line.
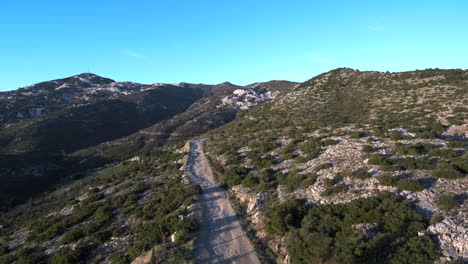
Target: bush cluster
{"x":323,"y":166}
{"x":367,"y":148}
{"x":336,"y":189}
{"x":312,"y":147}
{"x":446,"y":173}
{"x":402,"y":184}
{"x":448,"y":202}
{"x":260,"y":161}
{"x":387,"y":180}
{"x":361,"y":174}
{"x":67,"y":256}
{"x":409,"y":163}
{"x":409,"y":185}
{"x":357,"y":134}
{"x":284,"y":217}
{"x":25,"y":255}
{"x":326,"y":233}
{"x":416,"y":149}
{"x":294,"y":180}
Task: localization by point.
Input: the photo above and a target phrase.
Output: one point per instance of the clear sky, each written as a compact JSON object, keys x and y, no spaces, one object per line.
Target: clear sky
{"x":211,"y":41}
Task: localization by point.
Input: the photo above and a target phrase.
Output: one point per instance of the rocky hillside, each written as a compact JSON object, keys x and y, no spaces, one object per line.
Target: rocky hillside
{"x":60,"y":128}
{"x":103,"y":210}
{"x":347,"y":167}
{"x":135,"y":210}
{"x":353,"y":167}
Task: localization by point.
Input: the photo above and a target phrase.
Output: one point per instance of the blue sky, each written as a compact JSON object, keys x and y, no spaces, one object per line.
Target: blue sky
{"x":215,"y":41}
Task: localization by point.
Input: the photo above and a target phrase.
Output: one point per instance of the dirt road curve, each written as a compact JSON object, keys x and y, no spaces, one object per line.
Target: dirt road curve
{"x":220,"y":238}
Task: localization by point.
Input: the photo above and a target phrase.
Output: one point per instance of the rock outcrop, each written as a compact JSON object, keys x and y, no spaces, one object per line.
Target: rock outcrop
{"x":245,"y":98}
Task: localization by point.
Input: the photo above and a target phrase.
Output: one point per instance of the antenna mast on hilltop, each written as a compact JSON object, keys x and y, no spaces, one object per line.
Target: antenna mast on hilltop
{"x":88,"y":68}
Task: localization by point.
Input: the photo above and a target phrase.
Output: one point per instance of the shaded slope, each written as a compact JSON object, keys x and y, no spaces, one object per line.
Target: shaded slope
{"x":101,"y":121}
{"x":78,"y":127}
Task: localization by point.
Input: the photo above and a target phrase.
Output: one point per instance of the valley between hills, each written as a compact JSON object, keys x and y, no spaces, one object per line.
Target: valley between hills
{"x":348,"y":167}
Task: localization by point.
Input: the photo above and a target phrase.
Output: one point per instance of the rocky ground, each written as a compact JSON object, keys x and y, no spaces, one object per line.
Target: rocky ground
{"x":450,"y":227}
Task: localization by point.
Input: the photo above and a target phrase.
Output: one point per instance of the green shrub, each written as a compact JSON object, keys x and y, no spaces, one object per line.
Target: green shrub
{"x":329,"y":142}
{"x":362,"y":175}
{"x":234,"y":158}
{"x":266,"y":175}
{"x":460,"y":163}
{"x":426,"y":134}
{"x":436,"y":126}
{"x":292,"y":180}
{"x":139,"y":188}
{"x":309,"y":247}
{"x":52,"y":232}
{"x":416,"y":149}
{"x":446,"y":173}
{"x":357,"y":134}
{"x":409,"y":185}
{"x":119,"y":258}
{"x":367,"y":149}
{"x":416,"y":164}
{"x":301,"y":159}
{"x":72,"y":236}
{"x":378,"y":131}
{"x":102,"y":215}
{"x":90,"y":229}
{"x":377,"y":159}
{"x":310,"y":179}
{"x":135,"y":250}
{"x":457,"y":144}
{"x":230,"y":176}
{"x":448,"y":202}
{"x":323,"y":166}
{"x":7,"y":259}
{"x":336,"y":189}
{"x":387,"y":180}
{"x":287,"y":152}
{"x":311,"y":147}
{"x":418,"y":250}
{"x":327,"y":233}
{"x":281,"y":218}
{"x":100,"y":237}
{"x":93,"y":196}
{"x":117,"y":231}
{"x":264,"y":146}
{"x":395,"y":135}
{"x":259,"y":161}
{"x":185,"y":228}
{"x":67,"y":256}
{"x":29,"y":256}
{"x":443,"y":153}
{"x":327,"y":182}
{"x":3,"y":250}
{"x":251,"y":181}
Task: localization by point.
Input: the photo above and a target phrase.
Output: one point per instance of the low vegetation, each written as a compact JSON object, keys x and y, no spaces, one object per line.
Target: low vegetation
{"x":99,"y":207}
{"x":328,"y":233}
{"x":448,"y":202}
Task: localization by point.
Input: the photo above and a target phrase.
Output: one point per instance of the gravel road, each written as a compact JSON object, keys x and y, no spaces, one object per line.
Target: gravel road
{"x":220,"y":238}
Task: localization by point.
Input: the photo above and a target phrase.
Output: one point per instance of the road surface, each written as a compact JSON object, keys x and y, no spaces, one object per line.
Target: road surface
{"x":220,"y":238}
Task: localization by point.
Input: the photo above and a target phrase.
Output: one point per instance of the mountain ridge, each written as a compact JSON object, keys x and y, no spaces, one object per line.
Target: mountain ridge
{"x":85,"y":113}
{"x":304,"y":166}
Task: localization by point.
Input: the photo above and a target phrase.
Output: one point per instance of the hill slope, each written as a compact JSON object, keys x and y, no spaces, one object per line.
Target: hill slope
{"x":353,"y":139}
{"x":64,"y":127}
{"x":348,"y":167}
{"x":137,"y":208}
